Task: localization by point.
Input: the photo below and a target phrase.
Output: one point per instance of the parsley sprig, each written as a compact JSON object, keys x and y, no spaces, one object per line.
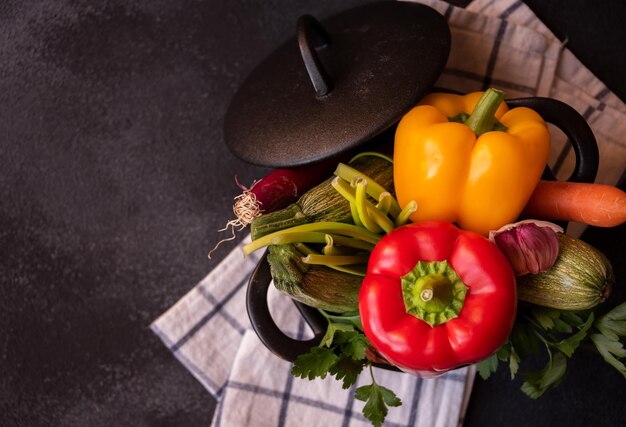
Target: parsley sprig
{"x":342,"y":353}
{"x":559,"y":334}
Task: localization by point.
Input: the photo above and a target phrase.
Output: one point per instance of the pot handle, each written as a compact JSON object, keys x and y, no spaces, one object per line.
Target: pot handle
{"x":575,"y":127}
{"x":263,"y":324}
{"x":312,"y":35}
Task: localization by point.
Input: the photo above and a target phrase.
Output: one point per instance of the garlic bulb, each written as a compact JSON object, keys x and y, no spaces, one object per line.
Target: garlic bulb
{"x":531,"y":246}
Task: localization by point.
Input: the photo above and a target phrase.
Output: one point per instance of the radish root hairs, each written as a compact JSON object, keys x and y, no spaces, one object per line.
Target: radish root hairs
{"x":246,"y":208}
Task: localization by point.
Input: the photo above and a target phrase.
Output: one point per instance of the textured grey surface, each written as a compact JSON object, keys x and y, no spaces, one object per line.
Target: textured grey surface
{"x":114,"y":178}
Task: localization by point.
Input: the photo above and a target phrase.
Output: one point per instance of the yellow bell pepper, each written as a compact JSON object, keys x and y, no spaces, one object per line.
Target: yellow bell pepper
{"x":478,"y":170}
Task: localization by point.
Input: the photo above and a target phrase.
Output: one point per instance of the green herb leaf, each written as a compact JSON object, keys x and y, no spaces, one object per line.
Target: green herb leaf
{"x":571,"y":343}
{"x":346,"y":370}
{"x":332,"y":328}
{"x":349,"y":317}
{"x":545,"y":316}
{"x":571,"y":318}
{"x":551,"y":375}
{"x":610,"y":348}
{"x":314,"y":364}
{"x":504,"y":352}
{"x":514,"y":361}
{"x":524,"y":340}
{"x":487,"y":366}
{"x":376,"y":399}
{"x":613,"y":323}
{"x":562,"y":326}
{"x":352,"y":344}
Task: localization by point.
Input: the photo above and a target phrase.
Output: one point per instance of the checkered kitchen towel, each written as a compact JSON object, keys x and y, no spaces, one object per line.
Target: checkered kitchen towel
{"x":208,"y":329}
{"x":209,"y":332}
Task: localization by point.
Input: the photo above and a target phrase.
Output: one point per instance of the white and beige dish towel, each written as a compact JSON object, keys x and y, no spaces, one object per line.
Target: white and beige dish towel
{"x":498,"y":44}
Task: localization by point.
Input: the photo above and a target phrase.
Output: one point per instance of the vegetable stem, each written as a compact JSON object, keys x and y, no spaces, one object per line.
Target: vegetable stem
{"x":374,"y":189}
{"x":355,"y":269}
{"x":483,"y":117}
{"x":335,"y":259}
{"x":318,"y":232}
{"x":381,"y":220}
{"x":384,"y":202}
{"x":372,"y":154}
{"x":361,"y":206}
{"x":406,"y":212}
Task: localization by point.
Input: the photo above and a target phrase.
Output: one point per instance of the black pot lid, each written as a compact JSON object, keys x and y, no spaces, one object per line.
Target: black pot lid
{"x":337,"y":84}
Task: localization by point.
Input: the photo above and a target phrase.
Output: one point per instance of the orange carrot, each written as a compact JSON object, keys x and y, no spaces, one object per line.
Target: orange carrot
{"x":599,"y":205}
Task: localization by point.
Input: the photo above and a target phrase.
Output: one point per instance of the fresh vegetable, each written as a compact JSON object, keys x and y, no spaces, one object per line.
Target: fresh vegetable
{"x":610,"y":330}
{"x":559,"y":333}
{"x":322,"y":263}
{"x":279,"y":188}
{"x":343,"y":353}
{"x":599,"y":205}
{"x":531,"y":246}
{"x":275,"y":191}
{"x":478,"y":170}
{"x":581,"y":278}
{"x":430,"y":297}
{"x":315,"y":285}
{"x":436,"y":297}
{"x":323,"y":202}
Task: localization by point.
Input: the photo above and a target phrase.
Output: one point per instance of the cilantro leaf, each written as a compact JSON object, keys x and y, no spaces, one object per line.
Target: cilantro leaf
{"x":346,"y":370}
{"x":316,"y":363}
{"x":609,"y":349}
{"x":545,"y":316}
{"x":571,"y":318}
{"x":376,"y":399}
{"x":352,"y":344}
{"x":332,"y":328}
{"x":507,"y":353}
{"x":562,"y":326}
{"x":504,"y":352}
{"x":514,"y":361}
{"x":537,"y":383}
{"x":349,"y":317}
{"x":524,"y":340}
{"x":613,"y":323}
{"x":571,"y":343}
{"x":487,"y":366}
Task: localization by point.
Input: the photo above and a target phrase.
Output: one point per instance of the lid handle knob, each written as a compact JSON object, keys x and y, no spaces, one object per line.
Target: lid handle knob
{"x":312,"y":35}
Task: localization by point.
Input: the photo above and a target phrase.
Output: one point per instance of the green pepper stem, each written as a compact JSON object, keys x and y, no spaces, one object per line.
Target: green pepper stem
{"x":433,"y":292}
{"x":483,"y":117}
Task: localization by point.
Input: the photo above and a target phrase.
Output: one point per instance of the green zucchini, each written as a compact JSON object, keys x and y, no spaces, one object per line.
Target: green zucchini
{"x":322,"y":202}
{"x":581,"y":278}
{"x":314,"y":285}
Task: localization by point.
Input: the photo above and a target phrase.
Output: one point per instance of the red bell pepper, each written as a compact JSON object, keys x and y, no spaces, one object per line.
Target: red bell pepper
{"x":436,"y":297}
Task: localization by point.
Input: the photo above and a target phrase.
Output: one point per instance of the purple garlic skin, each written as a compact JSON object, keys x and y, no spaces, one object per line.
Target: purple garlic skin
{"x":531,"y":246}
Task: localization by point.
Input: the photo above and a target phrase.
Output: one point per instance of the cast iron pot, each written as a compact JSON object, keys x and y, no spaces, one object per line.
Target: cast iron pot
{"x":553,"y":111}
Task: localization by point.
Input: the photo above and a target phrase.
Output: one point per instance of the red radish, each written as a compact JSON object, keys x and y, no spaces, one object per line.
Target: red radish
{"x":600,"y":205}
{"x":275,"y":191}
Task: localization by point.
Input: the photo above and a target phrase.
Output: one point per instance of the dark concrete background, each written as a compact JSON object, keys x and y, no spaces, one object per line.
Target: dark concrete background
{"x":114,"y":178}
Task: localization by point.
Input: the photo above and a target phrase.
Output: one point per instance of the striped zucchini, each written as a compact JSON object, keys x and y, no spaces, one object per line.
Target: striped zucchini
{"x":581,"y":278}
